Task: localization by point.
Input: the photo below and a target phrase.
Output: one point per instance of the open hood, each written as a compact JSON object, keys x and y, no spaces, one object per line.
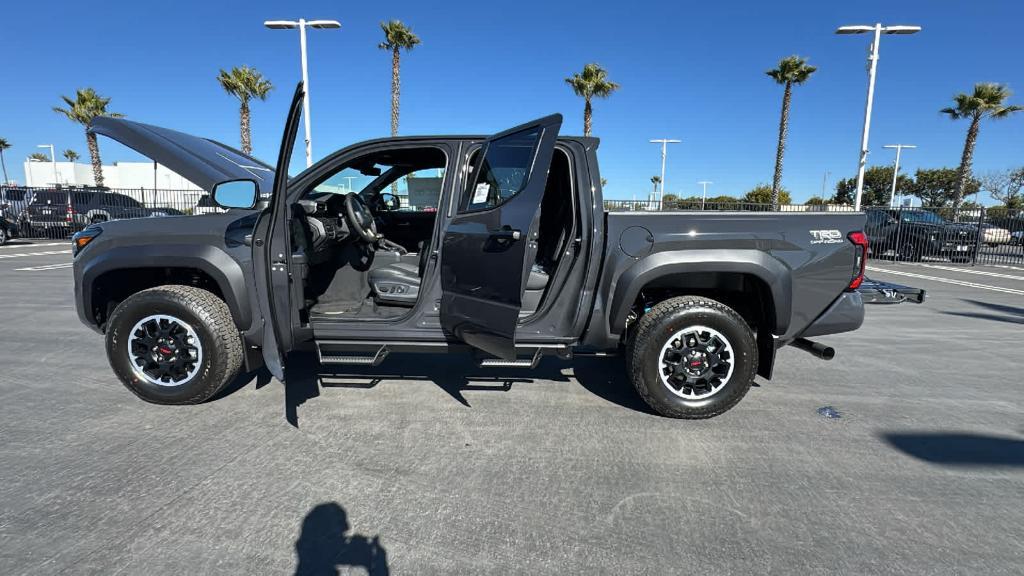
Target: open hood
{"x":203,"y":162}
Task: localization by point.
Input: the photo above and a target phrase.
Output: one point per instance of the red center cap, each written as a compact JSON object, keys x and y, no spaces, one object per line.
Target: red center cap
{"x":695,"y":363}
{"x":165,"y":350}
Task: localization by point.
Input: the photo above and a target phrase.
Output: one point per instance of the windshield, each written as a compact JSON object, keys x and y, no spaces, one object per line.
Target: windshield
{"x":50,"y":198}
{"x":922,"y":216}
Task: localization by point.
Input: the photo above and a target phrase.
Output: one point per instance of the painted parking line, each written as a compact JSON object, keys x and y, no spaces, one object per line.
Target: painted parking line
{"x":972,"y":271}
{"x":31,"y":246}
{"x":949,"y":281}
{"x":47,"y":267}
{"x":27,"y":254}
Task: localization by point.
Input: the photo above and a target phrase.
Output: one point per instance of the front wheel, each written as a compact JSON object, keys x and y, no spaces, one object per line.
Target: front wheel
{"x":174,"y":344}
{"x":692,"y":357}
{"x":4,"y":237}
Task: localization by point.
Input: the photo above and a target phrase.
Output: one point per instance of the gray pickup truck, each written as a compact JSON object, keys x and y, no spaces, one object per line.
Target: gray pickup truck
{"x":497,"y":245}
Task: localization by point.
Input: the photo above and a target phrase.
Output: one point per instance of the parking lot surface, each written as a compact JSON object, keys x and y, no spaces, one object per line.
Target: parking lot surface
{"x":429,"y":465}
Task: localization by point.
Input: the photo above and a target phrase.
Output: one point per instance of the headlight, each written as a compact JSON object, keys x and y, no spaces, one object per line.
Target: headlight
{"x":83,"y":238}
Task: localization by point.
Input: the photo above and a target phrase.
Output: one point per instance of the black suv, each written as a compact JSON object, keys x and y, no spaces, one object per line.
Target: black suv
{"x":64,"y":212}
{"x":915,"y":233}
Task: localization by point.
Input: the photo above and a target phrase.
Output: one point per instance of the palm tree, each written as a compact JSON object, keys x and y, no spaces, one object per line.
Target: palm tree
{"x":4,"y":145}
{"x":655,"y":180}
{"x":245,"y":84}
{"x":38,"y":157}
{"x":592,"y":82}
{"x":792,"y":70}
{"x":397,"y":37}
{"x":987,"y":101}
{"x":86,"y":106}
{"x":70,"y":155}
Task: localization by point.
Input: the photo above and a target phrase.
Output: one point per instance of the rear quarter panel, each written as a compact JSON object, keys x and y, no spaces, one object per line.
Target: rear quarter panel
{"x":805,"y":259}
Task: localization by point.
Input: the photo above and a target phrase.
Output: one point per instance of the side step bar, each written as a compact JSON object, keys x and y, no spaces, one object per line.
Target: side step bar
{"x":329,"y":358}
{"x":517,"y":363}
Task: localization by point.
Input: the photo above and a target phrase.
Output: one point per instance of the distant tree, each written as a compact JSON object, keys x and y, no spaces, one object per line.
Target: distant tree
{"x":244,"y":83}
{"x":604,"y":182}
{"x":987,"y":101}
{"x":877,"y":187}
{"x":791,"y":71}
{"x":655,"y":180}
{"x":763,"y":194}
{"x":816,"y":201}
{"x":592,"y":82}
{"x":4,"y":145}
{"x":1006,"y":186}
{"x":70,"y":155}
{"x":38,"y":157}
{"x":86,"y":106}
{"x":938,"y":186}
{"x":397,"y":37}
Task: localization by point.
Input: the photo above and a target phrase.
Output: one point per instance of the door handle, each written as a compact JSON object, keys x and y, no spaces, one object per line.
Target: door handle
{"x":506,"y":234}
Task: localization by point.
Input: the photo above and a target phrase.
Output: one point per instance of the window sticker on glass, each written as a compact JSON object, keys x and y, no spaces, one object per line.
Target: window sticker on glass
{"x":480,"y":194}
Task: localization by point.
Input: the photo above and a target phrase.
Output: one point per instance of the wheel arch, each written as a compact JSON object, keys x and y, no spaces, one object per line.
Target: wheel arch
{"x":123,"y":271}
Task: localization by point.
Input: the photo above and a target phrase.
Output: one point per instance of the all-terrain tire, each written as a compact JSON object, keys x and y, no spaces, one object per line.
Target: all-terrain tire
{"x":662,"y":323}
{"x":209,"y":317}
{"x":3,"y":236}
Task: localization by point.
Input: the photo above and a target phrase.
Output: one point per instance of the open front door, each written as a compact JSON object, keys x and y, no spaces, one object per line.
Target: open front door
{"x":490,"y":245}
{"x":272,"y":251}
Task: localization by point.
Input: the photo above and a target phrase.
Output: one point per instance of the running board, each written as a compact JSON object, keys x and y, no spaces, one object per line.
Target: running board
{"x":517,"y":363}
{"x":329,"y":358}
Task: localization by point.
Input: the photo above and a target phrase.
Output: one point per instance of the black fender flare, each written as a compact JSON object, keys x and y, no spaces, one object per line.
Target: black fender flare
{"x":212,"y":261}
{"x":775,"y":275}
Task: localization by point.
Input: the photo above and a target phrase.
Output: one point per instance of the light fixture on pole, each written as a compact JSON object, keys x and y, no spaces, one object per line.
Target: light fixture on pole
{"x":53,"y":162}
{"x":896,"y":168}
{"x":664,"y":150}
{"x":704,"y":198}
{"x":301,"y":24}
{"x":878,"y":30}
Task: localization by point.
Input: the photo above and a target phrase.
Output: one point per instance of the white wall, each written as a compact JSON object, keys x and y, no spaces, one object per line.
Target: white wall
{"x":137,"y":175}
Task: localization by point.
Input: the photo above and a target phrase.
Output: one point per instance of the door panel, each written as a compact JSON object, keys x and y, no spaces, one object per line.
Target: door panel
{"x":272,"y":255}
{"x":490,"y":244}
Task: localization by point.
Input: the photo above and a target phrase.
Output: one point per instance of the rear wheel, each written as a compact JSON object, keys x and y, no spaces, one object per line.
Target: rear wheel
{"x":174,"y":344}
{"x":692,"y":357}
{"x":3,"y":235}
{"x":909,"y":252}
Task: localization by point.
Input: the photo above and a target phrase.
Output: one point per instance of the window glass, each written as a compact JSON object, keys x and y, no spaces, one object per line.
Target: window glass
{"x":504,"y":170}
{"x":50,"y":198}
{"x":81,"y":198}
{"x":414,"y":175}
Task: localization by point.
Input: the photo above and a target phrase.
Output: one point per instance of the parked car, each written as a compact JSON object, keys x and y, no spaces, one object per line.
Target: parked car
{"x":914,"y":233}
{"x":1017,"y":238}
{"x":16,"y":197}
{"x":520,"y":261}
{"x":8,"y":229}
{"x":206,"y":205}
{"x":63,"y":212}
{"x":994,"y":236}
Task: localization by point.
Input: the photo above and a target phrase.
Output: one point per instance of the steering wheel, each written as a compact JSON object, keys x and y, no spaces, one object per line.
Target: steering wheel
{"x":360,"y":219}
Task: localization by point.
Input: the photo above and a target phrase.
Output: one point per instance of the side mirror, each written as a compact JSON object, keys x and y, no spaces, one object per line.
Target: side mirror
{"x":236,"y":194}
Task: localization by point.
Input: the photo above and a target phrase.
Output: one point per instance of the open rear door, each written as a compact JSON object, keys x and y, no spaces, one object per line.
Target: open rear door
{"x":490,"y":244}
{"x":271,"y":254}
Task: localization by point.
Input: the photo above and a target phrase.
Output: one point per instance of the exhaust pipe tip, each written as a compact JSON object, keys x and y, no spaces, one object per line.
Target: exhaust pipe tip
{"x":815,"y":348}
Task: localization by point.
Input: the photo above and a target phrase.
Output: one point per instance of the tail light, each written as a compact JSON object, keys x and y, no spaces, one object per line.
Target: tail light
{"x":860,"y":258}
{"x":70,"y":214}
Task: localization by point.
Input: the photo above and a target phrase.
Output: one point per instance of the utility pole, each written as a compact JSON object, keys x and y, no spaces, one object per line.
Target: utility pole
{"x":664,"y":151}
{"x":704,"y":198}
{"x":301,"y":24}
{"x":878,"y":30}
{"x":896,"y":168}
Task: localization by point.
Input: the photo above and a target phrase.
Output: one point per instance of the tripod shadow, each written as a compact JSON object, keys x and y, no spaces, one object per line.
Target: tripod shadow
{"x":325,"y":544}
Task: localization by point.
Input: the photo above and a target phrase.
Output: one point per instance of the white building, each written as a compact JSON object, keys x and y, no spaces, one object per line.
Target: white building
{"x":126,"y":175}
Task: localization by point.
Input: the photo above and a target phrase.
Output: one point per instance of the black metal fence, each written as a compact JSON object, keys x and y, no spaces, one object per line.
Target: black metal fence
{"x":964,"y":236}
{"x":57,"y":212}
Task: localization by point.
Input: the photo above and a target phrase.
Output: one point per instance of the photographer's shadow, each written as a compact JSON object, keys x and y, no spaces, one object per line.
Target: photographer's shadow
{"x":325,"y":545}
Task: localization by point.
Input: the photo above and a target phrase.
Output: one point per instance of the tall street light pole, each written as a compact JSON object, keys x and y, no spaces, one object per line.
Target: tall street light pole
{"x":878,"y":30}
{"x":53,"y":162}
{"x":301,"y":24}
{"x":704,"y":198}
{"x":664,"y":151}
{"x":896,"y":168}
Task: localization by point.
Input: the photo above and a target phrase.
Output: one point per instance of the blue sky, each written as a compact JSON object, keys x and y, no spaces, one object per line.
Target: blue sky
{"x":689,"y":70}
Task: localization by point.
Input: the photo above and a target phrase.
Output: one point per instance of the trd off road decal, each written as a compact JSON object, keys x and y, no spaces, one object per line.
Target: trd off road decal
{"x":826,"y":237}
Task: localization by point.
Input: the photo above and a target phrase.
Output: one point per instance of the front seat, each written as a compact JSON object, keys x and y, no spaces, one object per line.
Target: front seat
{"x":398,"y":284}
